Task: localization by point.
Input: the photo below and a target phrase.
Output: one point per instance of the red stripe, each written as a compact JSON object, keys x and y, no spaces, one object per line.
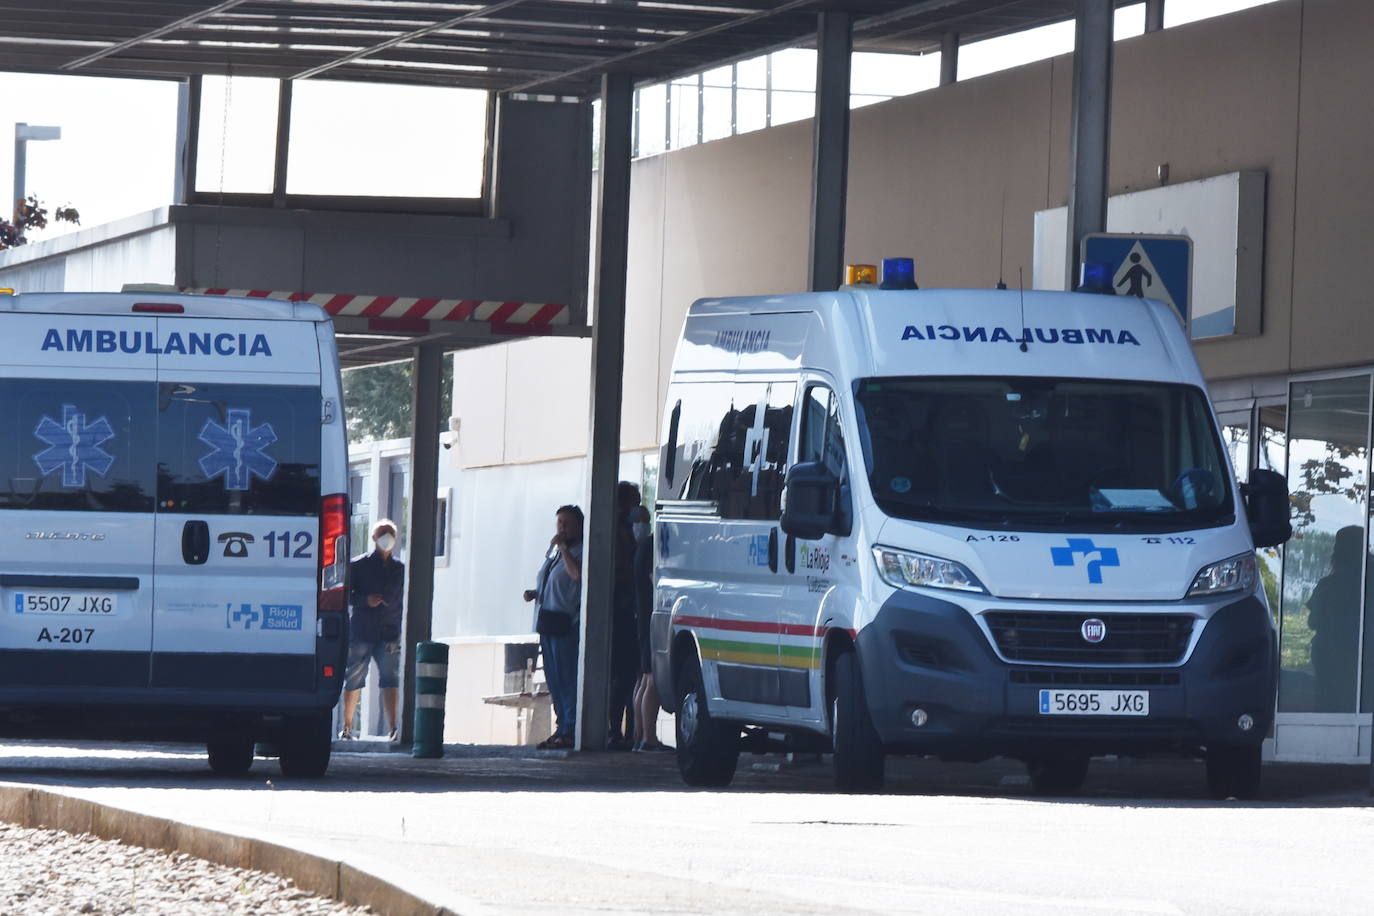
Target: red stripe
{"x":421,"y":308}
{"x":336,"y":304}
{"x":547,"y":314}
{"x":258,"y":293}
{"x":462,"y":310}
{"x":378,"y":306}
{"x":503,"y":313}
{"x":300,"y":297}
{"x":752,"y":626}
{"x":216,"y":292}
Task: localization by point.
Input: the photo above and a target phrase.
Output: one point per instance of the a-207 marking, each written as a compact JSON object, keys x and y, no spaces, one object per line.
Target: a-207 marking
{"x":68,"y":635}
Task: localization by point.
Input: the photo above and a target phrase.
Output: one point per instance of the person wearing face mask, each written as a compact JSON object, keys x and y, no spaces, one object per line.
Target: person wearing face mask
{"x":624,"y":637}
{"x":376,"y":584}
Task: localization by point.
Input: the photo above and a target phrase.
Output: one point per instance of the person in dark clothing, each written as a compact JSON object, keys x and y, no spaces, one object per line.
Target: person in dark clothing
{"x":646,"y":694}
{"x":376,"y":584}
{"x":624,"y":642}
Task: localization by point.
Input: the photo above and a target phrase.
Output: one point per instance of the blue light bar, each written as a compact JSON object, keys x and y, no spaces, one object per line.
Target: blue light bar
{"x":898,"y":273}
{"x":1095,"y":278}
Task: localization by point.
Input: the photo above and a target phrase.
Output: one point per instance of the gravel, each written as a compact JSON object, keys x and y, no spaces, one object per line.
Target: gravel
{"x":51,"y":872}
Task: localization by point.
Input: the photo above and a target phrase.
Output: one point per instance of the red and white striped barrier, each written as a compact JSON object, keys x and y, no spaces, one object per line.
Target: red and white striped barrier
{"x":411,"y":308}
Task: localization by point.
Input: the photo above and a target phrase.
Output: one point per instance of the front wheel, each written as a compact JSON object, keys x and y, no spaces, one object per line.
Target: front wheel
{"x":858,"y":755}
{"x":707,"y":749}
{"x":305,"y":748}
{"x":1233,"y":771}
{"x":1058,"y":775}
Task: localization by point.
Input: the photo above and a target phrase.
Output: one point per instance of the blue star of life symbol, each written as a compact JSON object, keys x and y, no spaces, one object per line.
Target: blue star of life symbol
{"x":1106,"y":556}
{"x":73,"y":446}
{"x":238,"y":449}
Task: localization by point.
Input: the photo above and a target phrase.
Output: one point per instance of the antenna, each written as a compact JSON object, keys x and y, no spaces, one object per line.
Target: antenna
{"x":1002,"y":240}
{"x":1021,"y":284}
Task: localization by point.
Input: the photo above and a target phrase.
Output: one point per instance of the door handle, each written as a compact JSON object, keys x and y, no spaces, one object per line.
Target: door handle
{"x":195,"y":542}
{"x":791,"y":554}
{"x":773,"y":550}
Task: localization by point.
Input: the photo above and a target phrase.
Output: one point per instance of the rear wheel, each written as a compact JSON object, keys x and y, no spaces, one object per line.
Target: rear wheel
{"x":1058,"y":775}
{"x":1233,"y":771}
{"x":304,"y":748}
{"x":858,"y":750}
{"x":230,"y":758}
{"x":707,"y":749}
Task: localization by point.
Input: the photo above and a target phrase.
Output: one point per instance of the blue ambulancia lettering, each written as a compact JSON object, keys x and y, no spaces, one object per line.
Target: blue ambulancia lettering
{"x":980,"y":334}
{"x":193,"y":343}
{"x":1106,"y":556}
{"x":73,"y":446}
{"x":742,"y":341}
{"x":238,"y":450}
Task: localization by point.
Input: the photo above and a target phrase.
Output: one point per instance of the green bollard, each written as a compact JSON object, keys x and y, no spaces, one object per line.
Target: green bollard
{"x":431,"y":683}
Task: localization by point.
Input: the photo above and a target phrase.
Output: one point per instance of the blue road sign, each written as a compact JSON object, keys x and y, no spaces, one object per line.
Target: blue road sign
{"x":1149,"y":266}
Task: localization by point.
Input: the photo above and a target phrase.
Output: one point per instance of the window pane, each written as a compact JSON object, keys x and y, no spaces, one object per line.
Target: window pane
{"x":893,"y":74}
{"x":238,"y":449}
{"x":76,"y":445}
{"x":752,"y":74}
{"x":701,"y":414}
{"x":822,"y":438}
{"x":238,"y":133}
{"x":751,"y":110}
{"x":408,"y":141}
{"x":716,"y":114}
{"x":652,"y":119}
{"x":1328,"y":458}
{"x":792,"y":106}
{"x":1235,"y":432}
{"x":752,"y":450}
{"x":794,"y":69}
{"x":684,"y":132}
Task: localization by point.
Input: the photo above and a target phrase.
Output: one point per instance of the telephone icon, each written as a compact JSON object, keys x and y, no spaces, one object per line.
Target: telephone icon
{"x":236,"y":543}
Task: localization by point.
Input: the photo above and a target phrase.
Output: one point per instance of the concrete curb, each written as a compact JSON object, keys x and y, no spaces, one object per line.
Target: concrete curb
{"x":333,"y":878}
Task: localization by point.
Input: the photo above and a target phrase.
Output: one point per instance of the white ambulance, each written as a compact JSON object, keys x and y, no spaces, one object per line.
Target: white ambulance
{"x":173,"y":513}
{"x":962,"y":524}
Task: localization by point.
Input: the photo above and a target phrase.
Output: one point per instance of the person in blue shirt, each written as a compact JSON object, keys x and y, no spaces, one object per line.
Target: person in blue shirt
{"x":557,"y":597}
{"x":376,"y":584}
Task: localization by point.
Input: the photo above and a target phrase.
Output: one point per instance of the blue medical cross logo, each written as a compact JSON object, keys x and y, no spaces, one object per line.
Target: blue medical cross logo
{"x":1106,"y":556}
{"x":238,"y":449}
{"x":73,"y":446}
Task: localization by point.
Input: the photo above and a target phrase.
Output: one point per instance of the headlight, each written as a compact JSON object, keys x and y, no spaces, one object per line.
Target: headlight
{"x":1230,"y":575}
{"x":902,"y":568}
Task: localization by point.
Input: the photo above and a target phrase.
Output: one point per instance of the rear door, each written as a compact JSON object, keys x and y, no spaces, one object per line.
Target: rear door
{"x":238,"y":495}
{"x":77,"y":487}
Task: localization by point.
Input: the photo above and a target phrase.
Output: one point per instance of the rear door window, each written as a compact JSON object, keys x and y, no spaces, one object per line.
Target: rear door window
{"x":227,"y":449}
{"x":76,"y":445}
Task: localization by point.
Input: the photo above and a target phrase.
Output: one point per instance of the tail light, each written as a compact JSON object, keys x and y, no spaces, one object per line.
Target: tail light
{"x":333,"y":552}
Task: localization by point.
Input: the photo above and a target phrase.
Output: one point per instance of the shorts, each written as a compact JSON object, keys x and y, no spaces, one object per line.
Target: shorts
{"x":387,"y":655}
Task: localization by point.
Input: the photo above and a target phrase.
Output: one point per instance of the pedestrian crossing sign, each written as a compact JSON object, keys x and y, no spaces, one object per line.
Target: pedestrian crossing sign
{"x":1147,"y":266}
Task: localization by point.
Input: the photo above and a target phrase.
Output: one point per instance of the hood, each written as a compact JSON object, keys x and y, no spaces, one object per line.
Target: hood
{"x":1070,"y":566}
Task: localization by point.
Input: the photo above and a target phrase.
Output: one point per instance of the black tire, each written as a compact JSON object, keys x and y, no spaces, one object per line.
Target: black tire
{"x":304,"y":748}
{"x":707,"y":749}
{"x":858,"y":751}
{"x":1058,"y":775}
{"x":230,"y":758}
{"x":1233,"y":771}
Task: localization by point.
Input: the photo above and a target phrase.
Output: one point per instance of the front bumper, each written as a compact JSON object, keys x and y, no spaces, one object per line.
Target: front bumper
{"x":924,"y":652}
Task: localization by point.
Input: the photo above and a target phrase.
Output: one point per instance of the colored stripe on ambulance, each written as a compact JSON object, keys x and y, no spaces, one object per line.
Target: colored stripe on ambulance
{"x":756,"y":653}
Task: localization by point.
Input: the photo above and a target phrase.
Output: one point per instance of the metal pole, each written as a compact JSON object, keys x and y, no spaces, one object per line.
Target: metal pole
{"x":424,"y":490}
{"x":1090,"y":129}
{"x":19,"y":168}
{"x":1154,"y":15}
{"x":283,"y":147}
{"x":830,"y":149}
{"x":949,"y":58}
{"x":608,"y":359}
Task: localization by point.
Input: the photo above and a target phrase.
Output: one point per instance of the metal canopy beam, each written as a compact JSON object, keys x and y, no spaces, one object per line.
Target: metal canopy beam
{"x":608,"y":360}
{"x":830,"y":150}
{"x":182,"y":23}
{"x":1090,"y":126}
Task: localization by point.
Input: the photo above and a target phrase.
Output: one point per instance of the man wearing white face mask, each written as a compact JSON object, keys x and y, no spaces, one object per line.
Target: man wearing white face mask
{"x":376,"y":583}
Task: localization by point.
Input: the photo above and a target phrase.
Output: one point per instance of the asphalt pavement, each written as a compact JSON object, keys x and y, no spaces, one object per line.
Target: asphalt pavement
{"x":493,"y":830}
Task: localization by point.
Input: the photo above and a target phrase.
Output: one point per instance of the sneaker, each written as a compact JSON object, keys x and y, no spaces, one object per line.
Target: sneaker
{"x":555,"y":743}
{"x":394,"y":736}
{"x":345,"y":735}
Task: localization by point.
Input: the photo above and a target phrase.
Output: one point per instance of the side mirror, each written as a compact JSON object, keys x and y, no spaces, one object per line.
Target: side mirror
{"x":810,"y":500}
{"x":1266,"y":502}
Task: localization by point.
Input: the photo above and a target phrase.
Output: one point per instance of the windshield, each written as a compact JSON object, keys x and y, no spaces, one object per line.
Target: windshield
{"x":1043,"y":452}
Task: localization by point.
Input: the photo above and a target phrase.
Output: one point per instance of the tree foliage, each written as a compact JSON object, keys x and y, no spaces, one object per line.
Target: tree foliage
{"x":32,"y":215}
{"x":377,"y":399}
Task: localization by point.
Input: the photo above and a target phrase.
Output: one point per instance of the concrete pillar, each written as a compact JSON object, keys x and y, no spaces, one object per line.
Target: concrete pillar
{"x":608,"y":359}
{"x":830,"y":149}
{"x":1154,"y":15}
{"x":426,"y":382}
{"x":1090,"y":126}
{"x":949,"y":58}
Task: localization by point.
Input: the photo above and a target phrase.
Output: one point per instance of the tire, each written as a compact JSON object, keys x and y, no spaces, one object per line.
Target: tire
{"x":858,"y":751}
{"x":305,"y":748}
{"x":1058,"y":775}
{"x":1233,"y":771}
{"x":707,"y":749}
{"x":230,"y":758}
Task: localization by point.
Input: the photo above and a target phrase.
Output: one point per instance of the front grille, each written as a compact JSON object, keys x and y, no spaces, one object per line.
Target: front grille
{"x":1132,"y":639}
{"x":1093,"y":677}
